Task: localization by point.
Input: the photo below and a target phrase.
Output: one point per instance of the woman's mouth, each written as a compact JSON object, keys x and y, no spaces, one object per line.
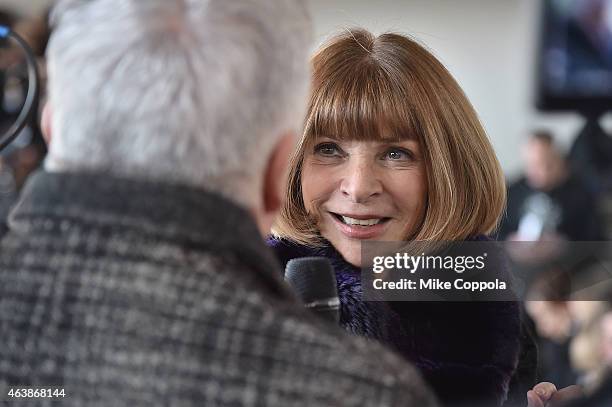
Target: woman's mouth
{"x":360,"y":226}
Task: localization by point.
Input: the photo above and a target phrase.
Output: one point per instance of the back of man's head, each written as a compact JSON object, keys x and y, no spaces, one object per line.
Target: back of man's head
{"x":195,"y":92}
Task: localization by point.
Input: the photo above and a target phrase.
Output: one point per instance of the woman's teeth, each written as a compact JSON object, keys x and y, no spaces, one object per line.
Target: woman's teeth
{"x":361,"y":222}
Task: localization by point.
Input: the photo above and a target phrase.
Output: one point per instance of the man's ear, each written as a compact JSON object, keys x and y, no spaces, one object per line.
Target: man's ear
{"x":45,"y":122}
{"x":275,"y":176}
{"x":274,"y":182}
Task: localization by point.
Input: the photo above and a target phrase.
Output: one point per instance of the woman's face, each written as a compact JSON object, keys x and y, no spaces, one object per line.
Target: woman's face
{"x":364,"y":190}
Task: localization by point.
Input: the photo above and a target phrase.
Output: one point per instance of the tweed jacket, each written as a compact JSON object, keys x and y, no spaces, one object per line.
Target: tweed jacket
{"x":127,"y":292}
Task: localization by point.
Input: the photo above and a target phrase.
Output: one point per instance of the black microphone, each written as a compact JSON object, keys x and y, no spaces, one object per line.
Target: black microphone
{"x":313,"y":280}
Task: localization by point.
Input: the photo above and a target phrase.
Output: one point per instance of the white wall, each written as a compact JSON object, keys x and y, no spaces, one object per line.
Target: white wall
{"x":488,"y":45}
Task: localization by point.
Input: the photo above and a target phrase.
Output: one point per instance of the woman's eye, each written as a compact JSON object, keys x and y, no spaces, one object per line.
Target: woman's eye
{"x":398,"y":154}
{"x":327,"y":149}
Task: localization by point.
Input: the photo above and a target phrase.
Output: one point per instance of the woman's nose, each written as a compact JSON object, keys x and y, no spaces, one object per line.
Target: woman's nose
{"x":360,"y":182}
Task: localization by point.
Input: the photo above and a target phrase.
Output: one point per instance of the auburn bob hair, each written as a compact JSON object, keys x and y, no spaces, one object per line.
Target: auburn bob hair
{"x":389,"y":87}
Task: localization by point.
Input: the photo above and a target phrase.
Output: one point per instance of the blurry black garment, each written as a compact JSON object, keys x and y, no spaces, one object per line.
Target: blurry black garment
{"x":578,"y":212}
{"x":591,"y":157}
{"x":601,"y":397}
{"x":555,"y":365}
{"x":526,"y":374}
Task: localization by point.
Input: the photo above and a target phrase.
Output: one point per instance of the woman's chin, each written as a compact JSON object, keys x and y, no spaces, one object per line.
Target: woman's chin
{"x":355,"y":262}
{"x":351,"y":253}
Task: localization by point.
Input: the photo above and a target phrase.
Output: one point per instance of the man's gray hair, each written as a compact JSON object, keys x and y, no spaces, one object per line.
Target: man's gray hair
{"x":189,"y":91}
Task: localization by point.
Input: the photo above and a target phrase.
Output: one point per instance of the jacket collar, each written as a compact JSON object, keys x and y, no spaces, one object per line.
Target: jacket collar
{"x":188,"y":216}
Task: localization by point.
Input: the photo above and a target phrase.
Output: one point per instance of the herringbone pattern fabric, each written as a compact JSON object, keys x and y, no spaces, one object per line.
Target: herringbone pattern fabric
{"x":134,"y":293}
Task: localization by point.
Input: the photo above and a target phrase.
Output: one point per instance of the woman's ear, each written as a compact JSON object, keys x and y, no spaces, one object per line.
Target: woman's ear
{"x":45,"y":122}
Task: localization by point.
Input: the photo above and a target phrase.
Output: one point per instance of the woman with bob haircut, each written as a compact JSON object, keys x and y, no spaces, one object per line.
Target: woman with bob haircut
{"x":393,"y":150}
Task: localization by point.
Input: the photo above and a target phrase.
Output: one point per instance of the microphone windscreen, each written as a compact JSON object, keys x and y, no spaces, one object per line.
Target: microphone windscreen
{"x":312,"y":278}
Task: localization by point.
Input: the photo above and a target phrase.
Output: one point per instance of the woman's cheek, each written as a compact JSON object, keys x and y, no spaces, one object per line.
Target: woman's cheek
{"x":315,"y":185}
{"x":409,"y":191}
{"x":308,"y":191}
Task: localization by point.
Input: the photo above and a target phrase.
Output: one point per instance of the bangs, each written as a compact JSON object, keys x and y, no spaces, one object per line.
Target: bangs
{"x":361,"y":103}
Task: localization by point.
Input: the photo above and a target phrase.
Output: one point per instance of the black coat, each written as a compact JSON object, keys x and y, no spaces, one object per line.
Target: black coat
{"x":467,"y":351}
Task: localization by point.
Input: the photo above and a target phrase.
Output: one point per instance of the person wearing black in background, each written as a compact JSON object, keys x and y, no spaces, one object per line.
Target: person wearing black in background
{"x":25,"y":154}
{"x":7,"y":180}
{"x":549,"y":201}
{"x":134,"y":270}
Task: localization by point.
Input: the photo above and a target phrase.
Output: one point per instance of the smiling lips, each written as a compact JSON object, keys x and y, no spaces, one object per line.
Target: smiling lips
{"x":360,"y":226}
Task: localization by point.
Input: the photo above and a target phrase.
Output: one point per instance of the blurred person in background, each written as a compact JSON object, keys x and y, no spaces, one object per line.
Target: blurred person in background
{"x":134,"y":270}
{"x":549,"y":202}
{"x":606,"y":339}
{"x":592,"y":352}
{"x":549,"y":205}
{"x":8,"y":189}
{"x":570,"y":319}
{"x":588,"y":347}
{"x":27,"y":151}
{"x":548,"y":308}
